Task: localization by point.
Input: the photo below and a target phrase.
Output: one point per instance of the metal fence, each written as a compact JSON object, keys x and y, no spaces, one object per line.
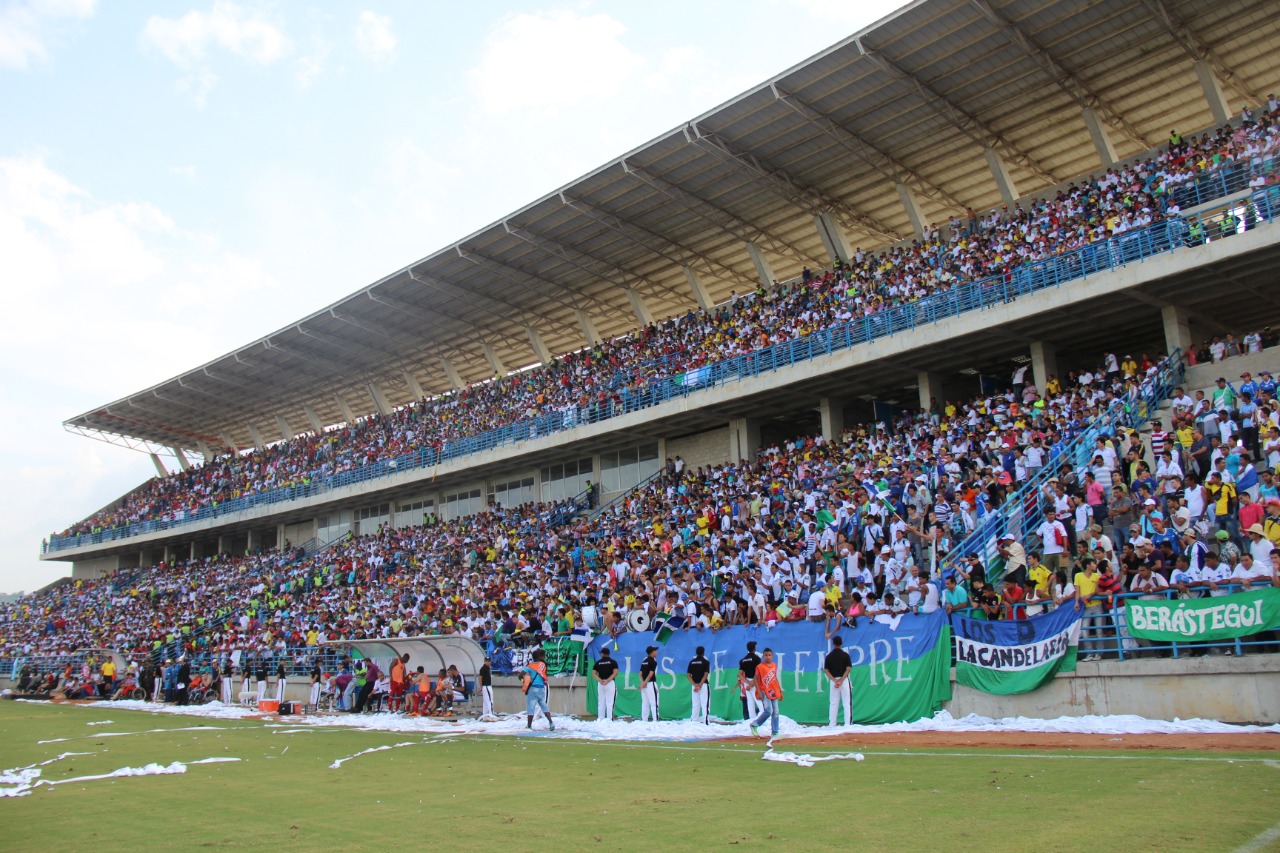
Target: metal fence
{"x":1128,"y":248}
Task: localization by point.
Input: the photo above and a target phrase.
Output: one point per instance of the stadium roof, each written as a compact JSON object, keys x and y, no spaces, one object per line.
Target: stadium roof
{"x":927,"y":104}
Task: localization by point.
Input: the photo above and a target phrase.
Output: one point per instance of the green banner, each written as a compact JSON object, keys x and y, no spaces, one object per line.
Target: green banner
{"x":565,"y":656}
{"x":1190,"y":620}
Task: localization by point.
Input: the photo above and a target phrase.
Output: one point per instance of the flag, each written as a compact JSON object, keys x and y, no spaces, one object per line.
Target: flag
{"x":692,"y":378}
{"x":1018,"y":655}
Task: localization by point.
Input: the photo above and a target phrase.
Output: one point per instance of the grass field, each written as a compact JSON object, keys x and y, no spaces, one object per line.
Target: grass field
{"x":542,"y":793}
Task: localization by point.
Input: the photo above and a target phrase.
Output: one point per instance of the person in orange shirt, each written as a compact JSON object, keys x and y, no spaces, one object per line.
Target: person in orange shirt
{"x":398,"y":682}
{"x":769,"y":694}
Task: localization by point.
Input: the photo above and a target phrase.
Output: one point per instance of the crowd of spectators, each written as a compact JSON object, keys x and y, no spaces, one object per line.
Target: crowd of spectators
{"x":969,"y":248}
{"x":864,"y":527}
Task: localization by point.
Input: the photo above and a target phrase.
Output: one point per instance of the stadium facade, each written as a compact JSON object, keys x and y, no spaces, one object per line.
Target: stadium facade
{"x":939,"y":109}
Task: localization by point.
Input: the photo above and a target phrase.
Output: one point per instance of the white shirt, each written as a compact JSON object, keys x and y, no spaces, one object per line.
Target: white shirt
{"x":1050,"y":543}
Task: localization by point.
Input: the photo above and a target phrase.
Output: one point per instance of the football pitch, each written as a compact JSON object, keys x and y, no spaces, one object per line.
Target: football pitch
{"x":291,"y":789}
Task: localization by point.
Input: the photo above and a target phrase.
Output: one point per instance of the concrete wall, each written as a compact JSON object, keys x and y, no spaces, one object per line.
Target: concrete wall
{"x":704,"y":448}
{"x":1203,"y":376}
{"x":89,"y":568}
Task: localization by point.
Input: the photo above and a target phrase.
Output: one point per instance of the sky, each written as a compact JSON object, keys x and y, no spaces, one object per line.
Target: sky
{"x":178,"y":179}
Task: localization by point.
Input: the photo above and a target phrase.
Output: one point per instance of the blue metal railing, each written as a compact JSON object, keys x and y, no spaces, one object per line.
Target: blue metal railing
{"x":1131,"y":247}
{"x":1023,"y":511}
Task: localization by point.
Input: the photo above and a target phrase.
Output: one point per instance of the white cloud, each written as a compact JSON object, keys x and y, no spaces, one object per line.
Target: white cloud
{"x":309,"y":67}
{"x":374,"y":37}
{"x":546,"y":62}
{"x":186,"y":41}
{"x":27,"y":26}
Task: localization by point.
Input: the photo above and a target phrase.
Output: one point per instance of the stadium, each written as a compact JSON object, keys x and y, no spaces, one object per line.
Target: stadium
{"x":937,"y":369}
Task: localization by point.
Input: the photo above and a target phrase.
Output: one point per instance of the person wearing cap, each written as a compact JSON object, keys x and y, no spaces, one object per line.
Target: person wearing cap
{"x":604,"y":672}
{"x":699,"y":675}
{"x":836,"y":666}
{"x":484,"y":680}
{"x":535,"y":689}
{"x":747,"y":681}
{"x":1260,"y":547}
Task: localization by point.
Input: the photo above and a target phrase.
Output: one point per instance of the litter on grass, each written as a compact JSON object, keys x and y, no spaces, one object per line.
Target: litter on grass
{"x":807,"y":760}
{"x":335,"y":765}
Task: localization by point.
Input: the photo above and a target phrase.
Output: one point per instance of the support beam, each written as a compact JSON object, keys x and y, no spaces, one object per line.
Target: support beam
{"x":204,"y":450}
{"x":744,"y":438}
{"x":1197,"y":51}
{"x":313,"y":419}
{"x":1101,"y":139}
{"x":451,"y":373}
{"x":539,"y":348}
{"x":700,"y":292}
{"x":228,"y":443}
{"x":929,"y":384}
{"x":257,"y":539}
{"x":286,"y":431}
{"x":160,"y":469}
{"x":181,"y":457}
{"x":832,"y":413}
{"x":414,"y":388}
{"x":1044,"y":363}
{"x":344,"y":407}
{"x":224,"y":543}
{"x":491,"y":356}
{"x":588,"y":326}
{"x":763,"y":270}
{"x":638,"y":305}
{"x":1177,"y":328}
{"x":379,"y":397}
{"x":912,"y":206}
{"x":1213,"y":94}
{"x":1004,"y":181}
{"x":255,"y":435}
{"x":832,"y":237}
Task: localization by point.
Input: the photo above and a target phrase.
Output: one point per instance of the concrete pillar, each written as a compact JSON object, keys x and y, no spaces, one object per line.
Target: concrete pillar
{"x":279,"y":536}
{"x":1177,"y":328}
{"x":181,"y":457}
{"x":1004,"y":181}
{"x":203,"y":448}
{"x":147,"y":557}
{"x":929,"y":384}
{"x":228,"y":443}
{"x":638,"y":305}
{"x":763,"y":269}
{"x":1044,"y":363}
{"x":313,"y":419}
{"x":255,"y":540}
{"x":832,"y":237}
{"x":414,"y":388}
{"x":1101,"y":137}
{"x":911,"y":205}
{"x":1212,"y":88}
{"x":286,"y":431}
{"x":744,"y":438}
{"x":452,"y":373}
{"x":193,"y":553}
{"x":588,"y":326}
{"x":160,"y":469}
{"x":539,"y":348}
{"x":700,"y":293}
{"x":380,"y":403}
{"x":491,"y":356}
{"x":832,"y":412}
{"x":170,"y":554}
{"x":256,"y":437}
{"x":348,"y":415}
{"x":224,"y":543}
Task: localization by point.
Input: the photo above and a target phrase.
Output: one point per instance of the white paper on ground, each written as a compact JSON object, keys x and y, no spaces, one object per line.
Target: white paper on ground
{"x":807,"y":760}
{"x":335,"y":765}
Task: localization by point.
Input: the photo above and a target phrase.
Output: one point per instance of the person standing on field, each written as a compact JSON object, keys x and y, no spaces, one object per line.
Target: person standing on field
{"x":837,"y":667}
{"x":699,"y":675}
{"x":604,"y":672}
{"x":747,"y":681}
{"x":486,"y":688}
{"x":535,"y":689}
{"x":649,"y":685}
{"x":769,"y":692}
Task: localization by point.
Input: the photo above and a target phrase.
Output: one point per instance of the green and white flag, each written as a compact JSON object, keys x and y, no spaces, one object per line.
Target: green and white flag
{"x":1224,"y":617}
{"x":1017,"y":655}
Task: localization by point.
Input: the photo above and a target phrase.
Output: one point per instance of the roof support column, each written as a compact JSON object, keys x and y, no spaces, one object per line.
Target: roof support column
{"x":1177,"y":328}
{"x":181,"y":457}
{"x":255,"y":435}
{"x":313,"y":419}
{"x":1004,"y":181}
{"x":228,"y":443}
{"x":929,"y":384}
{"x":491,"y":356}
{"x":763,"y":269}
{"x":638,"y":305}
{"x":831,"y":411}
{"x":1101,"y":138}
{"x":539,"y":348}
{"x":380,"y":402}
{"x":588,"y":326}
{"x":832,"y":237}
{"x":911,"y":205}
{"x":1044,"y":363}
{"x":700,"y":293}
{"x":160,"y":469}
{"x":203,"y":448}
{"x":414,"y":388}
{"x":286,"y":431}
{"x":452,"y":373}
{"x":1213,"y":93}
{"x":744,"y":438}
{"x":345,"y":408}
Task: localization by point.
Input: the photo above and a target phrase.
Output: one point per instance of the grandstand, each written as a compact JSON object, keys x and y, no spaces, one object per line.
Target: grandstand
{"x":896,"y":136}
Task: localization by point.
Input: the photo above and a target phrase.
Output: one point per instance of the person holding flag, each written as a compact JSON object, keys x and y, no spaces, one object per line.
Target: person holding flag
{"x":535,"y":689}
{"x":769,"y":693}
{"x":699,"y":675}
